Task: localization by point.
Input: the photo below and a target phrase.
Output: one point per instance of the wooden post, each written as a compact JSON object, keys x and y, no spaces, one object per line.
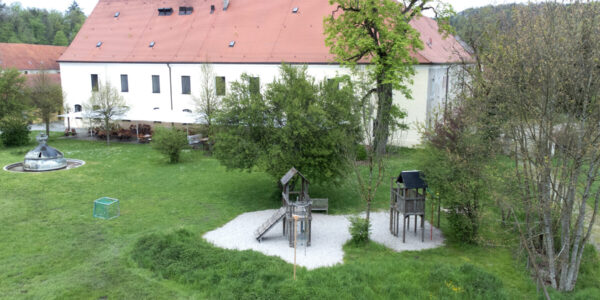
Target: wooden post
{"x":295,"y":221}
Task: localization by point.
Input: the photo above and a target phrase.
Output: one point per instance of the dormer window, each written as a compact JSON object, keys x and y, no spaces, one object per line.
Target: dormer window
{"x":165,"y":11}
{"x":185,"y":10}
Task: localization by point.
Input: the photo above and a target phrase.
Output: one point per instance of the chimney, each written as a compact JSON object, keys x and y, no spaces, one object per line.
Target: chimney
{"x":225,"y":4}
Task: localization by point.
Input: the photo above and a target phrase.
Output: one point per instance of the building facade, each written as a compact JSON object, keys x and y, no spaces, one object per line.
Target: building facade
{"x":153,"y":52}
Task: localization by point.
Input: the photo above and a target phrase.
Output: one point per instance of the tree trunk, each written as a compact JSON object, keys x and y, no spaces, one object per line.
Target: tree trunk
{"x":47,"y":121}
{"x":381,"y":127}
{"x":107,"y":130}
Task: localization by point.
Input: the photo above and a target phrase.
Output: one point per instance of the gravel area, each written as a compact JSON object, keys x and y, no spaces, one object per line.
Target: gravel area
{"x":329,"y":234}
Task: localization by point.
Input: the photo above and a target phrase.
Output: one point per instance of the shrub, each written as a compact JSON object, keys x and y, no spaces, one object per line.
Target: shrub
{"x":361,"y":153}
{"x":359,"y":230}
{"x":15,"y":131}
{"x":169,"y":141}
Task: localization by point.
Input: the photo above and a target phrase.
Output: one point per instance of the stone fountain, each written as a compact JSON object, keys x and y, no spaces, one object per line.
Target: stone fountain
{"x":44,"y":158}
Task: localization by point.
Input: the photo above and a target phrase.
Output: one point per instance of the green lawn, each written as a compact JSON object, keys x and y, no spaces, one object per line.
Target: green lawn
{"x":51,"y":246}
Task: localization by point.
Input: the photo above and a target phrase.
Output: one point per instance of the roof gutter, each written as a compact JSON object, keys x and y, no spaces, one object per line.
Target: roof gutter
{"x":170,"y":86}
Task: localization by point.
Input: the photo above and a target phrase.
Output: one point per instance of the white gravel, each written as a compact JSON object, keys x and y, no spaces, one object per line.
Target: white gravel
{"x":329,"y":234}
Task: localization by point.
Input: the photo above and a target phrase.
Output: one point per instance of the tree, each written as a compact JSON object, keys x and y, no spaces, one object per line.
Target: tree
{"x":13,"y":96}
{"x":208,"y":104}
{"x":108,"y":103}
{"x":60,"y":39}
{"x":169,"y":141}
{"x":379,"y":31}
{"x":74,"y":18}
{"x":296,"y":123}
{"x":542,"y":78}
{"x":46,"y":96}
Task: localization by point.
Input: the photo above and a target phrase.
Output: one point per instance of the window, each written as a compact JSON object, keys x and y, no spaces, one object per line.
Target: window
{"x":185,"y":10}
{"x":254,"y":85}
{"x":77,"y":107}
{"x":155,"y":84}
{"x":220,"y":85}
{"x":165,"y":11}
{"x":185,"y":85}
{"x":94,"y":82}
{"x":124,"y":83}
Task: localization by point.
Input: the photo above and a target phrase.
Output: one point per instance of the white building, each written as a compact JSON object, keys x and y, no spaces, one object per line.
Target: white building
{"x":152,"y":51}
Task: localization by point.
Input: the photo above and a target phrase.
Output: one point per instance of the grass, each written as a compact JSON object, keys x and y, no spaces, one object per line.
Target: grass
{"x":53,"y":248}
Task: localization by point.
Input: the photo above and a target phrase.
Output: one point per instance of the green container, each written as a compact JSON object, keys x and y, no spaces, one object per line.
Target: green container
{"x":106,"y":208}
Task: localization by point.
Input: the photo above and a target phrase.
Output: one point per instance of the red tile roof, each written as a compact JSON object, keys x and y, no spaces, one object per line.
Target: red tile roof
{"x":264,"y":32}
{"x":30,"y":57}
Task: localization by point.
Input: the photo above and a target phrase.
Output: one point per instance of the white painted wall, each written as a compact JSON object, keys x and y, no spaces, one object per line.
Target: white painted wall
{"x":76,"y":82}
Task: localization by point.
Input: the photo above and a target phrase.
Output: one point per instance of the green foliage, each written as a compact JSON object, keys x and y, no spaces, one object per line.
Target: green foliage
{"x":359,"y":230}
{"x":15,"y":131}
{"x":39,"y":26}
{"x":454,"y":163}
{"x":60,"y":39}
{"x":468,"y":282}
{"x":13,"y":96}
{"x":361,"y":152}
{"x":107,"y":102}
{"x":46,"y":97}
{"x":295,"y":123}
{"x":169,"y":141}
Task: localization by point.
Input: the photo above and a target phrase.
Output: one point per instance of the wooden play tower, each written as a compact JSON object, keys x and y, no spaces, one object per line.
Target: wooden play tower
{"x":295,"y":202}
{"x":407,"y":198}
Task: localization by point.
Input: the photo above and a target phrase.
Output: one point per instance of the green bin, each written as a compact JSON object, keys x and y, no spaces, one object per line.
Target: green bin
{"x":106,"y":208}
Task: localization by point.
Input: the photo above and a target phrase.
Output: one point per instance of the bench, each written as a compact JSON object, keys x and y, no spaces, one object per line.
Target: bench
{"x":320,"y":204}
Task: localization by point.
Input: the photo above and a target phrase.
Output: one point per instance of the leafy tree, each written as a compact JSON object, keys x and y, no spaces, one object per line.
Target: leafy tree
{"x":169,"y":141}
{"x":379,"y":31}
{"x":542,"y":79}
{"x":74,"y":18}
{"x":60,"y":39}
{"x":46,"y":97}
{"x":107,"y":103}
{"x":295,"y":123}
{"x":13,"y":96}
{"x":208,"y":104}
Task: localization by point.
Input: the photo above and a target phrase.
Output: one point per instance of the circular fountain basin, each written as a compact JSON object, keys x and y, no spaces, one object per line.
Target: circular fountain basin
{"x":70,"y":164}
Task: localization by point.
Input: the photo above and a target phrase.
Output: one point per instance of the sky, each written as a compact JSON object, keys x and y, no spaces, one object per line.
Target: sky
{"x":88,"y":5}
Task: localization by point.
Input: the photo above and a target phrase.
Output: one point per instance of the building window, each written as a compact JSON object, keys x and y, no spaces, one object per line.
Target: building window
{"x":155,"y":84}
{"x":124,"y":83}
{"x":77,"y":107}
{"x":220,"y":85}
{"x":94,"y":82}
{"x":185,"y":85}
{"x":185,"y":10}
{"x":254,"y":85}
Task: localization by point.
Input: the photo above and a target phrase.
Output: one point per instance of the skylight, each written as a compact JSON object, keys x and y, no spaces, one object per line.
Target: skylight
{"x":295,"y":10}
{"x":117,"y":14}
{"x":165,"y":11}
{"x":185,"y":10}
{"x":99,"y":44}
{"x":231,"y":44}
{"x":151,"y":44}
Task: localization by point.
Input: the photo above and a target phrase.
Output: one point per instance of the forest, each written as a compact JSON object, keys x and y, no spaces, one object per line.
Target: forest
{"x":39,"y":26}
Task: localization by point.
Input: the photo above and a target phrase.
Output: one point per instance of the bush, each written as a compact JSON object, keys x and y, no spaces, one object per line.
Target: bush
{"x":169,"y":141}
{"x":361,"y":153}
{"x":15,"y":131}
{"x":359,"y":230}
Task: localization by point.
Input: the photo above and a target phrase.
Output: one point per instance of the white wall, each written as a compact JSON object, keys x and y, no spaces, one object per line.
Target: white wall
{"x":76,"y":82}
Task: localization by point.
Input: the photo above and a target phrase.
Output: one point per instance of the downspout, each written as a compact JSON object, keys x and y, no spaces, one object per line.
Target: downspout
{"x":170,"y":86}
{"x":446,"y":97}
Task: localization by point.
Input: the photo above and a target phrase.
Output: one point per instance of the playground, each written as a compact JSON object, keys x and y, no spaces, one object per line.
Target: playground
{"x":329,"y":234}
